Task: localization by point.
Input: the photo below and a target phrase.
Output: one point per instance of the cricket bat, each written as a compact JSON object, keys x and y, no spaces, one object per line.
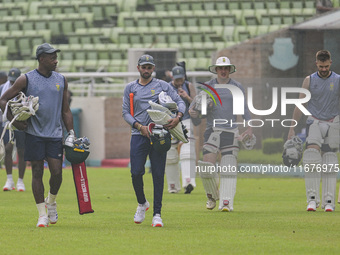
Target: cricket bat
{"x":82,"y":188}
{"x":339,"y":197}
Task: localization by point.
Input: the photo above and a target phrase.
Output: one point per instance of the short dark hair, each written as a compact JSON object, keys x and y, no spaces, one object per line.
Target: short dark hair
{"x":323,"y":55}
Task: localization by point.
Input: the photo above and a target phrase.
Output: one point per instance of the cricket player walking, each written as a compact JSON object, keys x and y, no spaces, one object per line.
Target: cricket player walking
{"x":320,"y":158}
{"x":137,"y":96}
{"x":223,"y":138}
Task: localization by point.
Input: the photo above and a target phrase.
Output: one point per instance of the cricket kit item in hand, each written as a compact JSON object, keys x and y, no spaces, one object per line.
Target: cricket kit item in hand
{"x":22,"y":108}
{"x":77,"y":156}
{"x":292,"y":151}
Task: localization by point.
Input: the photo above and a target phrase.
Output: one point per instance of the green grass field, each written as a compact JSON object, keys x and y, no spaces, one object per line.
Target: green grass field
{"x":269,"y":218}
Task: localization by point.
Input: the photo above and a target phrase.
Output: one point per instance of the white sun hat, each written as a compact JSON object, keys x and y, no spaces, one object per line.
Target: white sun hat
{"x":222,"y":61}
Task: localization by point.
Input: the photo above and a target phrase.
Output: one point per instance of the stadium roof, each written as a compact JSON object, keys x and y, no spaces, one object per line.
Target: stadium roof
{"x":329,"y":21}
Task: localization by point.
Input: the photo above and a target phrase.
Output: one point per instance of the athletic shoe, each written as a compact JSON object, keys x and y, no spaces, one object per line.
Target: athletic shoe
{"x":173,"y":191}
{"x":211,"y":204}
{"x":20,"y":186}
{"x":188,"y":189}
{"x":329,"y":208}
{"x":140,"y":213}
{"x":226,"y":206}
{"x":157,"y":221}
{"x":9,"y":185}
{"x":42,"y":222}
{"x":311,"y":207}
{"x":52,"y":212}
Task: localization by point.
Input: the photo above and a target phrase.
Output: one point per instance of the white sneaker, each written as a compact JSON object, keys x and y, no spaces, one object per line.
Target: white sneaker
{"x":42,"y":222}
{"x":173,"y":189}
{"x":157,"y":221}
{"x":211,"y":204}
{"x":140,"y":213}
{"x":52,"y":212}
{"x":311,"y":207}
{"x":329,"y":208}
{"x":9,"y":185}
{"x":226,"y":207}
{"x":20,"y":186}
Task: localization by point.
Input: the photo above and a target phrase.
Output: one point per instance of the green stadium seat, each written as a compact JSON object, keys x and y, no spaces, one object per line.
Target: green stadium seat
{"x":3,"y":26}
{"x":184,"y":6}
{"x":221,"y":5}
{"x":154,"y":22}
{"x":17,"y":11}
{"x":287,"y":19}
{"x":159,"y":6}
{"x":234,"y":5}
{"x":207,"y":5}
{"x":204,"y":21}
{"x":271,"y":4}
{"x":148,"y":38}
{"x":43,"y":9}
{"x":166,"y":22}
{"x":228,"y":33}
{"x":4,"y":11}
{"x":252,"y":29}
{"x":191,"y":21}
{"x":297,"y":4}
{"x":142,"y":22}
{"x":309,"y":4}
{"x":135,"y":38}
{"x":285,"y":4}
{"x":179,"y":21}
{"x":3,"y":52}
{"x":273,"y":28}
{"x":172,"y":6}
{"x":173,"y":38}
{"x":259,"y":5}
{"x":195,"y":6}
{"x":309,"y":11}
{"x":246,"y":5}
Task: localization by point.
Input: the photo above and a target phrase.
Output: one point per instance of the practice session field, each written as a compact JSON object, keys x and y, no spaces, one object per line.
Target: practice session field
{"x":270,"y":218}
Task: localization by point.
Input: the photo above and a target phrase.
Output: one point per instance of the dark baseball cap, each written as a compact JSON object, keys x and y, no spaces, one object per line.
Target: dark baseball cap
{"x":14,"y":74}
{"x":178,"y":72}
{"x":45,"y":48}
{"x":146,"y":60}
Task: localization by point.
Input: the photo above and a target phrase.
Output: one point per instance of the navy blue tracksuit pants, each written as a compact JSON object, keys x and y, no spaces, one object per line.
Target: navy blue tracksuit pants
{"x":140,"y":148}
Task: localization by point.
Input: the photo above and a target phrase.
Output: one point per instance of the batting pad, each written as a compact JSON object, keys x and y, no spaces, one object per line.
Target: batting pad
{"x":82,"y":188}
{"x":161,"y":118}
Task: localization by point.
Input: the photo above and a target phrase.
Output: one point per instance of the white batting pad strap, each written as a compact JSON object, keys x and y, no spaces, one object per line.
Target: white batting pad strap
{"x":209,"y":177}
{"x":228,"y":166}
{"x":173,"y":177}
{"x":227,"y":191}
{"x":329,"y":159}
{"x":312,"y":157}
{"x":161,"y":118}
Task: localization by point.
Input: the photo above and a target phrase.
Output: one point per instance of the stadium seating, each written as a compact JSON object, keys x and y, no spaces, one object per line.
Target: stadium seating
{"x":91,"y":32}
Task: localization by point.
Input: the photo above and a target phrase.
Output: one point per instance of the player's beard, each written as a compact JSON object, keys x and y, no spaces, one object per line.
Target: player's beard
{"x":324,"y":74}
{"x":146,"y":75}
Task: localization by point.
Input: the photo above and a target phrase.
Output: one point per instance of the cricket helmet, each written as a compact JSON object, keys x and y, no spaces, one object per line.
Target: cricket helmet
{"x":79,"y":152}
{"x":292,"y":151}
{"x":160,"y":138}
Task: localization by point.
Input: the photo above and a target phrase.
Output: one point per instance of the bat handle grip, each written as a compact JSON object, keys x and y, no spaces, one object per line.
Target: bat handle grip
{"x":131,"y":104}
